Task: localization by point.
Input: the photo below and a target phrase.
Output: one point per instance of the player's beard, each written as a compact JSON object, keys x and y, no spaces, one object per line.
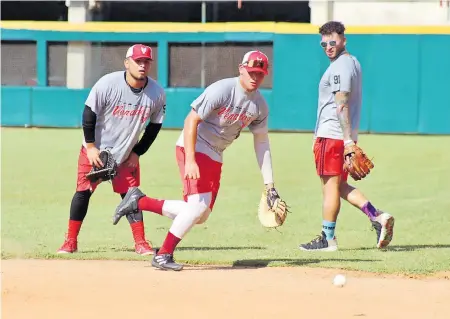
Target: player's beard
{"x":139,"y":77}
{"x":339,"y":52}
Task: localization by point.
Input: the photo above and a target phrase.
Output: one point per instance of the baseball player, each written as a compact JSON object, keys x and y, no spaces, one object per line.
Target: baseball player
{"x":338,"y":117}
{"x":216,"y":119}
{"x":119,"y":107}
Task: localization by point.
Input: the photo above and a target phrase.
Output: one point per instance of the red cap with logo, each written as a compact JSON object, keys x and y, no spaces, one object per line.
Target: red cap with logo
{"x":256,"y":61}
{"x":139,"y":51}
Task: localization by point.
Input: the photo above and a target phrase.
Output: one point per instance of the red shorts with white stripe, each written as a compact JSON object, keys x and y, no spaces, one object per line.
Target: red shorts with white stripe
{"x":329,"y":157}
{"x":210,"y":173}
{"x":126,"y":176}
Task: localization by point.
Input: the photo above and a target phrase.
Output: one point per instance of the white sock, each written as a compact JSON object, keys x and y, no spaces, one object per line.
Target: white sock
{"x":187,"y":218}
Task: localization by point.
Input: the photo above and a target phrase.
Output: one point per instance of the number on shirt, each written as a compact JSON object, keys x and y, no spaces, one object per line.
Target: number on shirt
{"x":337,"y":79}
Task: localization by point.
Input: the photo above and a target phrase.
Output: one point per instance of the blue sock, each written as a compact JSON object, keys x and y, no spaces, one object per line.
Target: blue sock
{"x":328,"y":229}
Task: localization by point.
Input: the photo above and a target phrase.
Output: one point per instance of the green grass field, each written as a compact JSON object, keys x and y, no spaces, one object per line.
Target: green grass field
{"x":410,"y":180}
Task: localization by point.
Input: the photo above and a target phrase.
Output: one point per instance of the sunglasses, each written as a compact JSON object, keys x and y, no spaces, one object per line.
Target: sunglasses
{"x":324,"y":44}
{"x":256,"y":64}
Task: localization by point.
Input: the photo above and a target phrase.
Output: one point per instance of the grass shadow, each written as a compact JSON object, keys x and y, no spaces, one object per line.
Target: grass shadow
{"x":130,"y":249}
{"x":402,"y":247}
{"x":98,"y":250}
{"x":261,"y":263}
{"x":221,"y":248}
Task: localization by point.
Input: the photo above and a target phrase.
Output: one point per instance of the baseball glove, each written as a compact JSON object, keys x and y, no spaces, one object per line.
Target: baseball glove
{"x":356,"y":162}
{"x":105,"y":173}
{"x":272,"y":210}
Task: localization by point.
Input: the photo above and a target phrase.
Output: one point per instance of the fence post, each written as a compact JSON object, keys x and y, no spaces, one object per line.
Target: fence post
{"x":163,"y":63}
{"x":42,"y":62}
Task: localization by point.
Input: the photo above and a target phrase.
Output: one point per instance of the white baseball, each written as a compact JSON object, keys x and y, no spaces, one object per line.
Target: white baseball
{"x":339,"y":280}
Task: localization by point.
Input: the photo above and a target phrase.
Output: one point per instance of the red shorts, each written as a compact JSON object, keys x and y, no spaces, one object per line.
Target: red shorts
{"x":126,"y":176}
{"x":210,"y":172}
{"x":329,"y":157}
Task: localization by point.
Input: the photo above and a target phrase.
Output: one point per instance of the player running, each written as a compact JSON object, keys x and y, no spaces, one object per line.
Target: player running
{"x":338,"y":116}
{"x":216,"y":119}
{"x":116,"y":112}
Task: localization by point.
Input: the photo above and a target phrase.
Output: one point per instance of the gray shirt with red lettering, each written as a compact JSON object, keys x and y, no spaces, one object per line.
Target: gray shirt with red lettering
{"x":226,"y":109}
{"x":343,"y":74}
{"x":122,"y":115}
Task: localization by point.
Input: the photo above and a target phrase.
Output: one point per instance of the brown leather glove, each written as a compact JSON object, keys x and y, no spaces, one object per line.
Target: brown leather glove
{"x":356,"y":162}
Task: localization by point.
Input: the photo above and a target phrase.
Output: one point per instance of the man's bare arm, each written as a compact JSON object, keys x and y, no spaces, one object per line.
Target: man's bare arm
{"x":190,"y":134}
{"x":343,"y":113}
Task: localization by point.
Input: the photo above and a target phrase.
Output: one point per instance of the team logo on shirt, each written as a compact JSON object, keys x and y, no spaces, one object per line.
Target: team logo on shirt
{"x":231,"y":117}
{"x":131,"y":111}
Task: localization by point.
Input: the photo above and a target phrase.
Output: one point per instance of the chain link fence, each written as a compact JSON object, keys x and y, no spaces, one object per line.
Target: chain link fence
{"x":190,"y":64}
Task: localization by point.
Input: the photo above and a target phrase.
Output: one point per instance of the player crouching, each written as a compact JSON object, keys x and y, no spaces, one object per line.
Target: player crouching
{"x":216,"y":119}
{"x":117,"y":111}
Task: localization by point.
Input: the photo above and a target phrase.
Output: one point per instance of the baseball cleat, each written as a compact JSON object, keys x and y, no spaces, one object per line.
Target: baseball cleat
{"x":128,"y":205}
{"x":384,"y":226}
{"x":165,"y":262}
{"x":320,"y":243}
{"x":143,"y":248}
{"x":70,"y":246}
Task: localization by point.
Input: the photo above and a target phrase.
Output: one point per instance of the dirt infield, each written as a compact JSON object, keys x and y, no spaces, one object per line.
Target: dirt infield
{"x":56,"y":289}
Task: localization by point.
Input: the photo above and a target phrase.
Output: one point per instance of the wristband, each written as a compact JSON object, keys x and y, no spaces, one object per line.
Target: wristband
{"x":348,"y":142}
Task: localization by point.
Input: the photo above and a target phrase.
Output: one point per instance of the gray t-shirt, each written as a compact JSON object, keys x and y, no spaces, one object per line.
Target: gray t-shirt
{"x":226,"y":109}
{"x":122,"y":115}
{"x":343,"y":74}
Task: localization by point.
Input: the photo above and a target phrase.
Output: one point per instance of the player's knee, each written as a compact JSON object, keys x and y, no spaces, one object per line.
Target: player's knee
{"x":204,"y":216}
{"x":197,"y":211}
{"x":200,"y":206}
{"x":79,"y":205}
{"x":331,"y":184}
{"x":344,"y":187}
{"x":82,"y":196}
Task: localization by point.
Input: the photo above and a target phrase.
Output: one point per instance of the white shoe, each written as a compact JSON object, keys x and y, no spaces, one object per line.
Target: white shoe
{"x":384,"y":226}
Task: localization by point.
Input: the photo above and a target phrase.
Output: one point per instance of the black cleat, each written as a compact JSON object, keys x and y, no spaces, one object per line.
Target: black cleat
{"x":165,"y":262}
{"x":128,"y":205}
{"x":320,"y":243}
{"x":377,"y":226}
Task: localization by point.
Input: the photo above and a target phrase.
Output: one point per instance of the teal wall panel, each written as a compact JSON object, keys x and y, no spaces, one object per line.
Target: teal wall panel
{"x":297,"y":72}
{"x":178,"y":105}
{"x":391,"y":83}
{"x":16,"y":106}
{"x":434,"y":93}
{"x":58,"y":107}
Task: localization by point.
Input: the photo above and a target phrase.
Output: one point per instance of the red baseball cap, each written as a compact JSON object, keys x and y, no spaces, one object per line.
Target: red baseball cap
{"x":256,"y":61}
{"x":139,"y":51}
